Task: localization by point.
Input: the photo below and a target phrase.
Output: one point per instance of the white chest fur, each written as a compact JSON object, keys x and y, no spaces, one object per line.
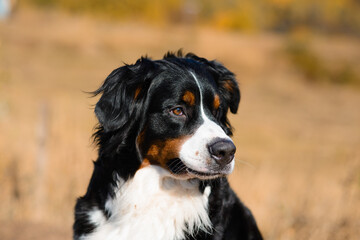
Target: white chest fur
{"x":152,"y":205}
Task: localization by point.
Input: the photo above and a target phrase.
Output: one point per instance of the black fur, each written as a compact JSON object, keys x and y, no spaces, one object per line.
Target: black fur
{"x":130,"y":102}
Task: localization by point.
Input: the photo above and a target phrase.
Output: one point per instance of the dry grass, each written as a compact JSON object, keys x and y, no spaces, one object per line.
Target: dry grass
{"x":298,"y":143}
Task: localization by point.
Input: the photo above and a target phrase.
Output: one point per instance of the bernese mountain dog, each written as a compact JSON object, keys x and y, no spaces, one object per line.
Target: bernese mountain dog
{"x":164,"y":153}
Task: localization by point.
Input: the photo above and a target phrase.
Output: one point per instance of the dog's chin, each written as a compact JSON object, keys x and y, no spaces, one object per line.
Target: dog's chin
{"x":180,"y":170}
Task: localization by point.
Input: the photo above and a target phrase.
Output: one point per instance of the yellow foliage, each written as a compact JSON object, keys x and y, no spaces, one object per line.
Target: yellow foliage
{"x":280,"y":15}
{"x":235,"y":20}
{"x":281,"y":3}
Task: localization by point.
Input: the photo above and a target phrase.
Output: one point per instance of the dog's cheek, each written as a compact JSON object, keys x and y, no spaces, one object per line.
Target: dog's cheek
{"x":161,"y":152}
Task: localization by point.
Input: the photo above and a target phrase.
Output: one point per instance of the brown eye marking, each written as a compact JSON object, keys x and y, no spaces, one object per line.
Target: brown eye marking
{"x":216,"y":102}
{"x":137,"y":91}
{"x":189,"y":98}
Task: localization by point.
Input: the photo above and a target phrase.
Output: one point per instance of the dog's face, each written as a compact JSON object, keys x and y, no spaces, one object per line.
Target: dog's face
{"x":176,"y":109}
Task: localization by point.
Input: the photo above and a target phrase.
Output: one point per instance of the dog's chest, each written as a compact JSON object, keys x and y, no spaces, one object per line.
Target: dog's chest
{"x":153,"y":205}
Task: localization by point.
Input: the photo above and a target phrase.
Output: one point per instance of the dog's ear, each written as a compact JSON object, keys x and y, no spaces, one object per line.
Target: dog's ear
{"x":225,"y":81}
{"x":122,"y":94}
{"x":228,"y":85}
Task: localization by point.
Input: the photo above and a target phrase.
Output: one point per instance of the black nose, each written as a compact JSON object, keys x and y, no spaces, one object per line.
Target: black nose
{"x":222,"y":151}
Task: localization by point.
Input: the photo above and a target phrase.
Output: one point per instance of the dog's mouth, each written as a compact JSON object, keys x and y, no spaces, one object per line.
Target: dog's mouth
{"x":177,"y":167}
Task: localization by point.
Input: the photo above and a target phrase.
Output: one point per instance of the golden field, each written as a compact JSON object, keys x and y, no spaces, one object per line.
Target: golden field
{"x":298,"y":157}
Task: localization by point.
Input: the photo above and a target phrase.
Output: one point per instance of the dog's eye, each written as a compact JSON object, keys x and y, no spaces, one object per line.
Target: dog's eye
{"x":178,"y":111}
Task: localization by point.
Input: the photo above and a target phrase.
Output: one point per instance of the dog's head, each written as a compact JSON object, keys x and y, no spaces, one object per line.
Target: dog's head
{"x":172,"y":113}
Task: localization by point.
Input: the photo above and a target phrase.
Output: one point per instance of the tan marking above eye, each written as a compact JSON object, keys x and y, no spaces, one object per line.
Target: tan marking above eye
{"x":216,"y":102}
{"x":189,"y":98}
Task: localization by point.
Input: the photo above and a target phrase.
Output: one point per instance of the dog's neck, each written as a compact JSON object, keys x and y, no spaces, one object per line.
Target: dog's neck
{"x":152,"y":203}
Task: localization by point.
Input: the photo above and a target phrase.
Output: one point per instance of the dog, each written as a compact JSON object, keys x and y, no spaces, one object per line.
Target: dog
{"x":164,"y":154}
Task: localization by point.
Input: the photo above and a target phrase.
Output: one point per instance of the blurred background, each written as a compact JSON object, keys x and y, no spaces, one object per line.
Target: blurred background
{"x":297,"y":130}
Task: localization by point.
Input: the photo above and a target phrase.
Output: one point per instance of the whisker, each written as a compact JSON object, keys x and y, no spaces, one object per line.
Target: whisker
{"x":176,"y":162}
{"x":177,"y":166}
{"x":245,"y":163}
{"x":180,"y":168}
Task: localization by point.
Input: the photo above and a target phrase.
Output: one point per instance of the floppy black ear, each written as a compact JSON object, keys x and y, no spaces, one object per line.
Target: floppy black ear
{"x":123,"y":92}
{"x":225,"y":81}
{"x":228,"y":85}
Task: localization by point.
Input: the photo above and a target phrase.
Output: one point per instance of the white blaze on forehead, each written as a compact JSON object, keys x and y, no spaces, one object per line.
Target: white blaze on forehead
{"x":201,"y":98}
{"x":194,"y":152}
